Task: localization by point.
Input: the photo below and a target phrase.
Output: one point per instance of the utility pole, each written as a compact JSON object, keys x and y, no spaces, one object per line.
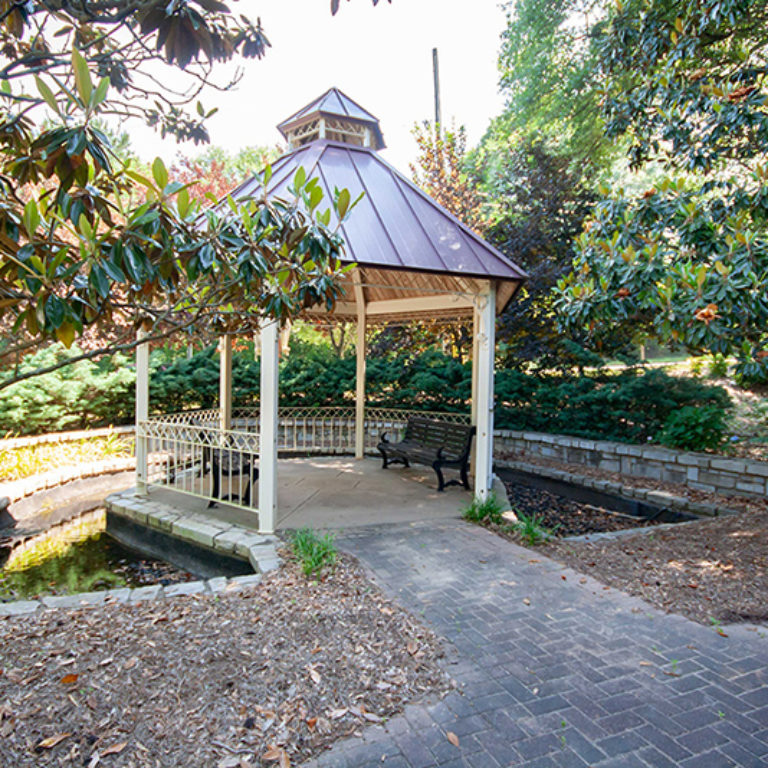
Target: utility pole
{"x":436,"y":70}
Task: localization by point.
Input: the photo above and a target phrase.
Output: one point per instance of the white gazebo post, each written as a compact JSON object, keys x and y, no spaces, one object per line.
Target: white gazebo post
{"x":482,"y":394}
{"x":360,"y":373}
{"x":225,"y":382}
{"x":142,"y":412}
{"x":268,"y":420}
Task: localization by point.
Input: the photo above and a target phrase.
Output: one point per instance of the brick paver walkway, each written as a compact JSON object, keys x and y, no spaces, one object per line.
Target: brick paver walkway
{"x":583,"y":676}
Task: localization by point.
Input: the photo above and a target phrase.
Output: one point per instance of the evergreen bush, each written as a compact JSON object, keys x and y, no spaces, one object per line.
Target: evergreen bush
{"x":628,"y":406}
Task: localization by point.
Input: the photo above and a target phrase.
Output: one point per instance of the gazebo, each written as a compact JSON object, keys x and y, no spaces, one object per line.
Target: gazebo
{"x":413,"y":260}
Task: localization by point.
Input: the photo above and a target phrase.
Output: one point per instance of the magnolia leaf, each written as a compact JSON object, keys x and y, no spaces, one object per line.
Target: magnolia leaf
{"x":160,"y":173}
{"x":66,"y":334}
{"x":115,"y":749}
{"x":47,"y":94}
{"x":342,"y":204}
{"x":82,"y":77}
{"x":52,"y":741}
{"x":101,"y":92}
{"x":453,"y":738}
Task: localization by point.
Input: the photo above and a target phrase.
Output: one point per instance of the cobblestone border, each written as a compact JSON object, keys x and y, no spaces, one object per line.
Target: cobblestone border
{"x":197,"y":528}
{"x":130,"y":595}
{"x":651,"y":495}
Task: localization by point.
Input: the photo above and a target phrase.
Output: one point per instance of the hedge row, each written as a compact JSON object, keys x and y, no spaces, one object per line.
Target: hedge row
{"x":630,"y":406}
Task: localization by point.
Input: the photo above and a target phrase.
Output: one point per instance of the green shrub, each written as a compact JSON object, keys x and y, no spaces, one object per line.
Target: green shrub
{"x":694,"y":429}
{"x":717,"y":366}
{"x":488,"y":511}
{"x":313,"y":552}
{"x":77,"y":396}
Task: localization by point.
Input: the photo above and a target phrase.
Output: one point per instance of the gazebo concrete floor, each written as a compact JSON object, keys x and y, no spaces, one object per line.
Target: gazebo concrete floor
{"x":339,"y":492}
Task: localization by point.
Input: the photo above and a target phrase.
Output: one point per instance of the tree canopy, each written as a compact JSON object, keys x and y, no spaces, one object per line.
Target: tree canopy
{"x":77,"y":248}
{"x":684,"y":83}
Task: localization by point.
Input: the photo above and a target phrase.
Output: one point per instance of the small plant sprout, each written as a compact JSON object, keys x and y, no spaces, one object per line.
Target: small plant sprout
{"x":531,"y":530}
{"x":313,"y":552}
{"x":483,"y":512}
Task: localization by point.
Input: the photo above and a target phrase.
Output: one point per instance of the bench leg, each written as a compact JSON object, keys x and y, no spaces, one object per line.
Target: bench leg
{"x":385,"y":460}
{"x":216,"y":493}
{"x":464,"y":476}
{"x":439,"y":472}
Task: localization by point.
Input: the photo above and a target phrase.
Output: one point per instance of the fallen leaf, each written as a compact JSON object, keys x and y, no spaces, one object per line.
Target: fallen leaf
{"x":412,"y":646}
{"x":526,"y":601}
{"x":69,"y":679}
{"x":315,"y":675}
{"x":311,"y":723}
{"x":131,"y":663}
{"x":115,"y":749}
{"x":52,"y":741}
{"x":453,"y":738}
{"x":337,"y":714}
{"x":646,"y":664}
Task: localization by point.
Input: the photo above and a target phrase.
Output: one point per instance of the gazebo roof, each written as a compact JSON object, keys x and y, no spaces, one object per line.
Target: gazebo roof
{"x":405,"y":244}
{"x":334,"y":104}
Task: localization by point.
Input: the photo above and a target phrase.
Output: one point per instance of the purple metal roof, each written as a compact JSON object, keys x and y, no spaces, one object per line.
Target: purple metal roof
{"x":332,"y":102}
{"x":395,"y":225}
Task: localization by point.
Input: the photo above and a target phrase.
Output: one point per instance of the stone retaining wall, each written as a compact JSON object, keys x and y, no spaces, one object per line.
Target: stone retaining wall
{"x":64,"y":437}
{"x":15,"y":490}
{"x":705,"y":472}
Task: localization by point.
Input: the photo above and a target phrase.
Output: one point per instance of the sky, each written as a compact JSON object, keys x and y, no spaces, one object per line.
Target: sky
{"x":381,"y":57}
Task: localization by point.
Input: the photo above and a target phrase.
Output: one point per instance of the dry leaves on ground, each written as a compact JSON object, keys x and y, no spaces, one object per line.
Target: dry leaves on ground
{"x":265,"y":677}
{"x":713,"y":570}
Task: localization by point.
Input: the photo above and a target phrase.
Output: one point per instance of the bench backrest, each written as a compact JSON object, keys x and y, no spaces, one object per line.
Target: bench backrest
{"x":456,"y":439}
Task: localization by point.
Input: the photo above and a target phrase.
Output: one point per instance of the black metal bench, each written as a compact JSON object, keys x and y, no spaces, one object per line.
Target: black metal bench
{"x":437,"y":444}
{"x":238,"y":459}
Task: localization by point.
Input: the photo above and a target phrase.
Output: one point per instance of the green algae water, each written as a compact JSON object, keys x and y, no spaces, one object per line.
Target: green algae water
{"x":78,"y":556}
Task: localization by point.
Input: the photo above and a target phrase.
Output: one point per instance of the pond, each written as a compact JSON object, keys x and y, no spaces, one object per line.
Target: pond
{"x":77,"y":556}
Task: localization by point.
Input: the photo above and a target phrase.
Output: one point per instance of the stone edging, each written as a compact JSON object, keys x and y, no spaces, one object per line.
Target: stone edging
{"x":126,"y":595}
{"x":26,"y":486}
{"x":8,"y":444}
{"x":196,"y":528}
{"x":700,"y":471}
{"x":652,"y":496}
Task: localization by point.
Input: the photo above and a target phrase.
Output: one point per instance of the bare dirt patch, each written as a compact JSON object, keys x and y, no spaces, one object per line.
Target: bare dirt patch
{"x":268,"y":676}
{"x":711,"y":571}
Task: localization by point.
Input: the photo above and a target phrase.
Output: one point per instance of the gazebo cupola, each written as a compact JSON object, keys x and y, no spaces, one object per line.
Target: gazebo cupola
{"x":333,"y":116}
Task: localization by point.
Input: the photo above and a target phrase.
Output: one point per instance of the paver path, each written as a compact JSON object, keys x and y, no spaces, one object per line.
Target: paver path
{"x":576,"y":678}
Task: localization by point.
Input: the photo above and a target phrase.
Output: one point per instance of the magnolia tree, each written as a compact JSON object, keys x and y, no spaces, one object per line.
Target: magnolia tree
{"x":78,"y":248}
{"x":687,"y":259}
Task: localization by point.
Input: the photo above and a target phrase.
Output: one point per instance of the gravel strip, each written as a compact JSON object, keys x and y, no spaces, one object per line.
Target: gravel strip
{"x":270,"y":675}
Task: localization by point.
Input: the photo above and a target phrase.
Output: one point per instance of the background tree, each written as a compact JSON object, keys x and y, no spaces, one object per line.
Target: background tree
{"x":686,"y":260}
{"x":536,"y":203}
{"x":549,"y":78}
{"x":441,"y":171}
{"x":216,"y":172}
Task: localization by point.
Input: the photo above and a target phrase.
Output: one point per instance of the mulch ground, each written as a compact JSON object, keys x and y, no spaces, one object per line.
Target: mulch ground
{"x":565,"y":517}
{"x":268,"y":676}
{"x":714,"y":571}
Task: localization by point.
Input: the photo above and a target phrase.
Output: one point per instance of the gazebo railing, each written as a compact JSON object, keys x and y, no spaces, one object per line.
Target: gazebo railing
{"x":190,"y":453}
{"x":191,"y":456}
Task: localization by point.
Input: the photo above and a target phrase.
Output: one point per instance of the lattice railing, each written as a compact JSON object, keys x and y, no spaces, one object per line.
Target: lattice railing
{"x":191,"y":456}
{"x":190,"y":453}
